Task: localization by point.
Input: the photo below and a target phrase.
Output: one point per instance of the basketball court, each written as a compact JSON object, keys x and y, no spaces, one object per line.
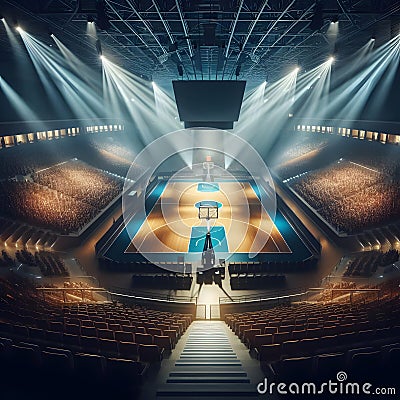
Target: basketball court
{"x":239,"y":223}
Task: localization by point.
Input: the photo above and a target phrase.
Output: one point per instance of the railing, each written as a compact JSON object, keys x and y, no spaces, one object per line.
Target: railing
{"x":189,"y":304}
{"x":151,"y":296}
{"x":71,"y":294}
{"x":85,"y":278}
{"x":267,"y":296}
{"x":294,"y":294}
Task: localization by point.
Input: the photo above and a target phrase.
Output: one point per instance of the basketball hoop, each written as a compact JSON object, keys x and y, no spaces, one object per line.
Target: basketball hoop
{"x":208,"y":165}
{"x":208,"y":210}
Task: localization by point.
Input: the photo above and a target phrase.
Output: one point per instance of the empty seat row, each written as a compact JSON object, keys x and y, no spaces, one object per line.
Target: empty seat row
{"x":149,"y":353}
{"x":256,"y":281}
{"x":361,"y":364}
{"x":252,"y":336}
{"x":270,"y":266}
{"x":162,"y":281}
{"x":320,"y":314}
{"x":267,"y":351}
{"x":56,"y":365}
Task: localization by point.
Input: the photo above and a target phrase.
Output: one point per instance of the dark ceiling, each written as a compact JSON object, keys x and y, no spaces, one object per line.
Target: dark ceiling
{"x":206,"y":39}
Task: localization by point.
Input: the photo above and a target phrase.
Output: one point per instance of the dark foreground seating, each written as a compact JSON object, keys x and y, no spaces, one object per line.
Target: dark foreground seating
{"x":59,"y":367}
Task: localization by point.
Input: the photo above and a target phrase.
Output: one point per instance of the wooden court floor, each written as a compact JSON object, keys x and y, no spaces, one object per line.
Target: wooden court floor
{"x":248,"y":228}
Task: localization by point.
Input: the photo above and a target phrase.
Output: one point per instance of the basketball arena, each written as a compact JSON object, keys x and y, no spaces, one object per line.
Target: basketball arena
{"x":199,"y":199}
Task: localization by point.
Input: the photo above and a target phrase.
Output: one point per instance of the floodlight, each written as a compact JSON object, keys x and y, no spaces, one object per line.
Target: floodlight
{"x":335,"y":19}
{"x":19,"y":29}
{"x":163,"y":58}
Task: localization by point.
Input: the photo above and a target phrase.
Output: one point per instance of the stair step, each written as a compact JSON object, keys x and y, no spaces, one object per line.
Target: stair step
{"x":209,"y":346}
{"x":207,"y":341}
{"x":208,"y":372}
{"x":200,"y":397}
{"x":211,"y":353}
{"x":213,"y":363}
{"x":210,"y":356}
{"x":207,"y":368}
{"x":208,"y":379}
{"x":211,"y":389}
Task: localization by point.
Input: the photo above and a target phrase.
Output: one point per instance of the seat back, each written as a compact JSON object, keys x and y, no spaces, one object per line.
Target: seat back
{"x":149,"y":353}
{"x":122,"y":336}
{"x":260,"y":340}
{"x":128,"y":350}
{"x":143,"y":338}
{"x":163,"y":342}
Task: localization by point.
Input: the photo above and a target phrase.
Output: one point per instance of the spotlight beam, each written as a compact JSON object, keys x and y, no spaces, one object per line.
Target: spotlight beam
{"x":355,"y":92}
{"x":83,"y":100}
{"x":268,"y":106}
{"x":20,"y":106}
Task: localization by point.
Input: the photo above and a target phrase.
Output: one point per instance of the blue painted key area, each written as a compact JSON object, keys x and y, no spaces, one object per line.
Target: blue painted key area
{"x":198,"y":237}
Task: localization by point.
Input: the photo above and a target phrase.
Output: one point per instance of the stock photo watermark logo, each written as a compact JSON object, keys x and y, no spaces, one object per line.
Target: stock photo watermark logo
{"x":340,"y":386}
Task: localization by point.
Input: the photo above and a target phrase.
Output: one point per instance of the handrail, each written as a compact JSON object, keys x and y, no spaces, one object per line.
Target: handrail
{"x":128,"y":294}
{"x":144,"y":295}
{"x":261,"y":299}
{"x":172,"y":300}
{"x":272,"y":294}
{"x":269,"y":296}
{"x":51,"y":289}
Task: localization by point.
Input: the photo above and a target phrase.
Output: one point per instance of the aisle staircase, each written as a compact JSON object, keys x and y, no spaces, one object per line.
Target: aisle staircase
{"x":209,"y":366}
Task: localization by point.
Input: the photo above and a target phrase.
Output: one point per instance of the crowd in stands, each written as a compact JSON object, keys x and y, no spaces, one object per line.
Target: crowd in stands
{"x":26,"y":159}
{"x":296,"y":152}
{"x":63,"y":198}
{"x":300,"y":145}
{"x":39,"y":206}
{"x":82,"y":182}
{"x":113,"y":152}
{"x":350,"y":197}
{"x":367,"y":264}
